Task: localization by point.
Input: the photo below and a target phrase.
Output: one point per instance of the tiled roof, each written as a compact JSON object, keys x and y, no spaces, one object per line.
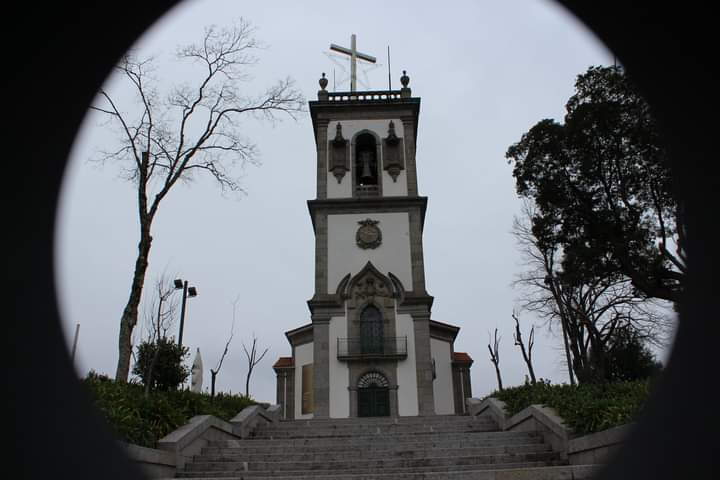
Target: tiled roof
{"x":461,"y":357}
{"x":284,"y":362}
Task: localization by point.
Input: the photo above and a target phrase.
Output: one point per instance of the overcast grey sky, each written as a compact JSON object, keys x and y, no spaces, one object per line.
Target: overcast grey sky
{"x":486,"y":72}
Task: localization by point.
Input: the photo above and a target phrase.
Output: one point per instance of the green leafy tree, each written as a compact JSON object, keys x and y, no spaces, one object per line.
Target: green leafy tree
{"x":168,"y":372}
{"x":603,"y":188}
{"x":629,"y":358}
{"x":590,"y":311}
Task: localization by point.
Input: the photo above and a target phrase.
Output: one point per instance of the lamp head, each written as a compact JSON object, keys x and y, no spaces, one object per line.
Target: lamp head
{"x":178,"y":283}
{"x":192,"y":292}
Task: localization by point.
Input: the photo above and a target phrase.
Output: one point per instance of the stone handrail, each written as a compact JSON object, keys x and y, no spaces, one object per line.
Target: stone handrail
{"x":578,"y":450}
{"x":246,"y":422}
{"x":179,"y":446}
{"x":189,"y":439}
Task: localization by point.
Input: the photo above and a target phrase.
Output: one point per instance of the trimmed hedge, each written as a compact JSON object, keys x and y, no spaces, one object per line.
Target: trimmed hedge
{"x":585,"y":408}
{"x":143,"y":421}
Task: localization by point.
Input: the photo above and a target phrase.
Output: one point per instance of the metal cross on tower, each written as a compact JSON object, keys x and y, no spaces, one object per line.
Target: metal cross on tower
{"x":354,"y":55}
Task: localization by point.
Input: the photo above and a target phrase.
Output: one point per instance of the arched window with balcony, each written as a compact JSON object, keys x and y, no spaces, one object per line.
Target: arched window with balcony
{"x":371,"y":330}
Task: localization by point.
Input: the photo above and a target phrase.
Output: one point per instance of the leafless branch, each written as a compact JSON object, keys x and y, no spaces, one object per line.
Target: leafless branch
{"x":216,"y":370}
{"x":495,"y":357}
{"x":252,"y":360}
{"x":527,"y":354}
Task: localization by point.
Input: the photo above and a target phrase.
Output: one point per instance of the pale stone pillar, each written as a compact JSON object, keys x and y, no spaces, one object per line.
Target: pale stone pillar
{"x":423,"y":364}
{"x":322,"y":166}
{"x":321,"y":366}
{"x":409,"y":142}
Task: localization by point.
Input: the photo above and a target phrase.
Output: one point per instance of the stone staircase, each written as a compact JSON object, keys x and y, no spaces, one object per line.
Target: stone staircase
{"x":437,"y":447}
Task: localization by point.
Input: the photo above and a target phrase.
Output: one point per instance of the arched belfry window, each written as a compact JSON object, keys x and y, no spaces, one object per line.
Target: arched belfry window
{"x":366,"y":165}
{"x":371,"y":330}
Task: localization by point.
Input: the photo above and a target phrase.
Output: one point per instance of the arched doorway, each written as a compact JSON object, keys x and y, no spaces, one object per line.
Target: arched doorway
{"x":373,"y":395}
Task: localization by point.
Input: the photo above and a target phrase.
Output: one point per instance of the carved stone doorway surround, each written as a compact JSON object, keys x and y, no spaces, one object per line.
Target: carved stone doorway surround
{"x":371,"y":287}
{"x":386,"y":369}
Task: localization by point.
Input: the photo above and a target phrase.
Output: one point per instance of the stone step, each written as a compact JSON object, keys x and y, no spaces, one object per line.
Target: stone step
{"x":367,"y":473}
{"x":374,"y":430}
{"x":357,"y":426}
{"x":434,"y":419}
{"x":377,"y":465}
{"x":565,"y":472}
{"x":348,"y":422}
{"x":366,"y":440}
{"x":419,"y":451}
{"x":350,"y":447}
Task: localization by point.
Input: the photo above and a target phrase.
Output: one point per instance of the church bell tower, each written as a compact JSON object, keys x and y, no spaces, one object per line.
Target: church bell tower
{"x":370,"y":311}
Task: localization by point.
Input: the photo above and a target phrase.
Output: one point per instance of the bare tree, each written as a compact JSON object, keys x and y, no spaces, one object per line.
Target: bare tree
{"x":526,"y":353}
{"x":495,"y":357}
{"x":253,"y":359}
{"x":192,"y":130}
{"x":590,"y":311}
{"x":213,"y":373}
{"x":538,"y":281}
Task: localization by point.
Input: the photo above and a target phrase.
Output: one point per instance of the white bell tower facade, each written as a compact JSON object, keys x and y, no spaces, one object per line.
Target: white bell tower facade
{"x":371,"y":348}
{"x":370,"y":312}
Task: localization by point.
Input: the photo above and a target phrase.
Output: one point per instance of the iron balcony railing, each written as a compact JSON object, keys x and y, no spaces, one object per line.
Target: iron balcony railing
{"x":366,"y":348}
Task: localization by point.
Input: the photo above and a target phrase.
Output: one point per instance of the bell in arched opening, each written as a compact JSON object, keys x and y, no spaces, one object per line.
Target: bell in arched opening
{"x":366,"y":164}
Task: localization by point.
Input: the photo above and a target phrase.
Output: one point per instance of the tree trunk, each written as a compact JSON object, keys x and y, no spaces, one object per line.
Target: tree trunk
{"x":526,"y":354}
{"x":531,"y":370}
{"x":567,"y":352}
{"x":247,"y":382}
{"x":130,"y":313}
{"x":564,"y":320}
{"x":151,"y":369}
{"x":497,"y":372}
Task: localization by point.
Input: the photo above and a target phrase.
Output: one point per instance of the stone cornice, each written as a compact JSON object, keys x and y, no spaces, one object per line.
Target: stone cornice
{"x":364,"y":204}
{"x":443,"y":331}
{"x":296,"y":335}
{"x":326,"y":305}
{"x":326,"y":110}
{"x":416,"y":304}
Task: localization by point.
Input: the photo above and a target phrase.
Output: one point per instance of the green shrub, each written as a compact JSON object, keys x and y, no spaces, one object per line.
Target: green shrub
{"x":168,"y":371}
{"x":585,"y":408}
{"x":143,"y":420}
{"x":630,"y":358}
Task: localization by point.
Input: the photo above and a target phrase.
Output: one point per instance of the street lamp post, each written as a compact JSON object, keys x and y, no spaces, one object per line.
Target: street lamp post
{"x":187,"y":292}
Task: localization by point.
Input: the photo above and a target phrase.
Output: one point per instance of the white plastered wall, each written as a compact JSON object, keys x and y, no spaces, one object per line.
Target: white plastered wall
{"x":339,"y":372}
{"x":406,"y":374}
{"x":442,"y":385}
{"x":393,"y":255}
{"x":303,"y":356}
{"x":349,"y":129}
